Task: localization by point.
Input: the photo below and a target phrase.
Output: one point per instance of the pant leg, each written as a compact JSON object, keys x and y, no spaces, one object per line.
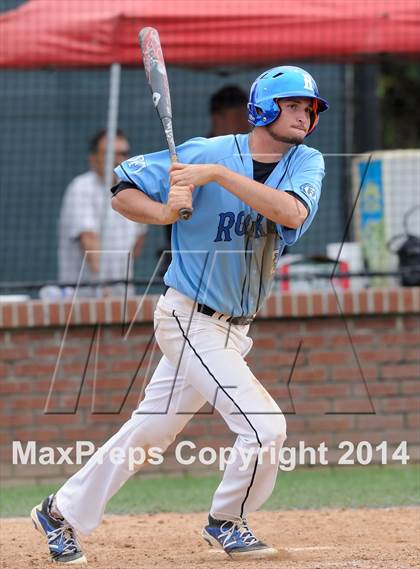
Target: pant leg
{"x":212,"y":361}
{"x":155,"y":423}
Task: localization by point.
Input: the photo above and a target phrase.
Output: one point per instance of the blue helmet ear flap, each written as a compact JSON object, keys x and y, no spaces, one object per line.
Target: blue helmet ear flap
{"x":261,"y":117}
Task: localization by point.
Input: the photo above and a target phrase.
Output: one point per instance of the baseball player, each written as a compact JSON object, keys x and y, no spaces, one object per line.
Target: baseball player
{"x":252,"y":194}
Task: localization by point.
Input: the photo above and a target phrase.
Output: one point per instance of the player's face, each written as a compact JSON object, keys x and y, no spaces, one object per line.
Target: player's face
{"x":97,"y":159}
{"x":294,"y":121}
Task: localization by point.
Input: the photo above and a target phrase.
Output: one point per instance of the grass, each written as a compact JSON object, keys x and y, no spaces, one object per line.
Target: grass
{"x":369,"y":486}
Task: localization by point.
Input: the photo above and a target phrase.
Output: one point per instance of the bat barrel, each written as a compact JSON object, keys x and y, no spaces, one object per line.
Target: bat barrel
{"x":154,"y":66}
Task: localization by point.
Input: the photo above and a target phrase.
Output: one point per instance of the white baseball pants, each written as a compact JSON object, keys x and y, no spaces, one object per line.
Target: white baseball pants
{"x":203,"y":360}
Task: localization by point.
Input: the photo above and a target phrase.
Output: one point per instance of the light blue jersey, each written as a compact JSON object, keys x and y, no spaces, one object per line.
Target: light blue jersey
{"x":226,"y":255}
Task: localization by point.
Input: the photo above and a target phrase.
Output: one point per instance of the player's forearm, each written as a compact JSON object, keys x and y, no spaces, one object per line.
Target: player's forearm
{"x":135,"y":205}
{"x":278,"y":206}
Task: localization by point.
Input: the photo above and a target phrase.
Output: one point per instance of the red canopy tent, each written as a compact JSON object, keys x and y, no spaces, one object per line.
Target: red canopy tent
{"x":79,"y":33}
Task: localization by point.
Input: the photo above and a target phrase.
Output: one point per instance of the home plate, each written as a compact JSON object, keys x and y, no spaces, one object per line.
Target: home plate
{"x":220,"y":552}
{"x":285,"y":553}
{"x":313,"y":548}
{"x":282,"y":554}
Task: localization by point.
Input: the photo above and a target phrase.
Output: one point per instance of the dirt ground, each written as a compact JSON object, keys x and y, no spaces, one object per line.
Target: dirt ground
{"x":386,"y":538}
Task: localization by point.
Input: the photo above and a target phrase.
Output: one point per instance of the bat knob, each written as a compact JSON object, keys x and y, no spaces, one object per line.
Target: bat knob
{"x":185,"y":214}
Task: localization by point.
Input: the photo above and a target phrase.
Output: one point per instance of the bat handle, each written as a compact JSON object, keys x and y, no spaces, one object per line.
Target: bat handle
{"x":185,"y":213}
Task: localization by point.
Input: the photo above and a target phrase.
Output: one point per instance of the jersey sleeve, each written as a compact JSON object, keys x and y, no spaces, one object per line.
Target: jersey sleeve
{"x":305,"y":183}
{"x":150,"y":172}
{"x":120,"y":186}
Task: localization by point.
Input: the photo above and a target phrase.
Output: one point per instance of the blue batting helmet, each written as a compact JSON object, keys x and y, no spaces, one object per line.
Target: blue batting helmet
{"x":281,"y":83}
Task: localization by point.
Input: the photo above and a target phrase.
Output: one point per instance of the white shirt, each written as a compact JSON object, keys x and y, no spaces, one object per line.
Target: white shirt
{"x":86,"y":206}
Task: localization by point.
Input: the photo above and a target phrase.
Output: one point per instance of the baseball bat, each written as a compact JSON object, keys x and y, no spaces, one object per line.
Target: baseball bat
{"x":154,"y":66}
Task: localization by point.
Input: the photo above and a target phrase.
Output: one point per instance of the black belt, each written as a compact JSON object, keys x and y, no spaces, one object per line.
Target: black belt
{"x":238,"y":320}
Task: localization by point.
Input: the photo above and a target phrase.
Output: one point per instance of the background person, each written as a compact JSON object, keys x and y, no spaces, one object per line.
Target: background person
{"x":88,"y":224}
{"x":228,"y":111}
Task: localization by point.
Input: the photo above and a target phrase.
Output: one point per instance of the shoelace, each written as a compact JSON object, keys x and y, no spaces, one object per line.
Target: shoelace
{"x":65,"y":532}
{"x":244,"y":531}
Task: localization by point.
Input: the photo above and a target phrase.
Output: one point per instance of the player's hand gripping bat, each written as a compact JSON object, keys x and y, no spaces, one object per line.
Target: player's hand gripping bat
{"x":154,"y":66}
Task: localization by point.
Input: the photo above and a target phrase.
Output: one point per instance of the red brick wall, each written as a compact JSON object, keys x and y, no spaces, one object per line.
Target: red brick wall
{"x":347,"y":371}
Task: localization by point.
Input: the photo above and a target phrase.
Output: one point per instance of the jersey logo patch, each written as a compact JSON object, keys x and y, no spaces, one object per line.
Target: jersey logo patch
{"x":308,"y":190}
{"x":137,"y":164}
